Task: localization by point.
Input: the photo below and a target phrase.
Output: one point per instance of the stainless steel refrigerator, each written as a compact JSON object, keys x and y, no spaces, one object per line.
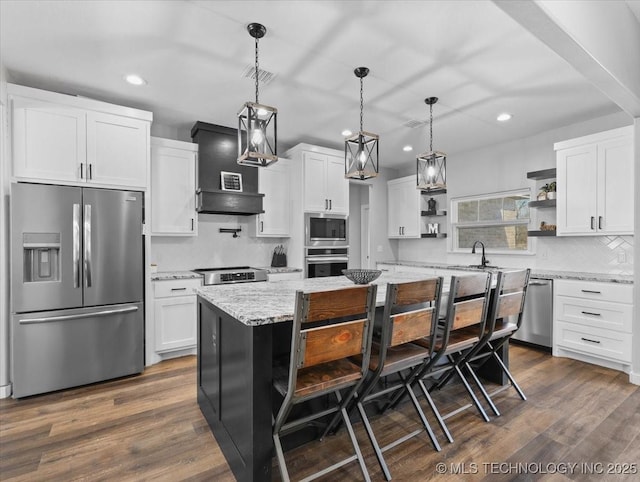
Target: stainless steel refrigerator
{"x":76,"y":286}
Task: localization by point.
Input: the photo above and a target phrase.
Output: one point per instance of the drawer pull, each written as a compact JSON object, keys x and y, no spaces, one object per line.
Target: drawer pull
{"x":592,"y":291}
{"x":178,"y":289}
{"x":590,"y":341}
{"x":591,"y":313}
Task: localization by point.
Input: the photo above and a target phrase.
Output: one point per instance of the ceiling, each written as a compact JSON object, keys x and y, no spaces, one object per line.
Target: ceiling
{"x":470,"y":54}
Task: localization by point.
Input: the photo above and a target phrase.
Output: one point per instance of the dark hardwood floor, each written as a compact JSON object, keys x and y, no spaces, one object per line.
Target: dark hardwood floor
{"x":149,"y":427}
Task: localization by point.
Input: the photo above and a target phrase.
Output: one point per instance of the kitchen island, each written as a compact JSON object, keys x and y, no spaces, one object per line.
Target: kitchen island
{"x":243,"y":329}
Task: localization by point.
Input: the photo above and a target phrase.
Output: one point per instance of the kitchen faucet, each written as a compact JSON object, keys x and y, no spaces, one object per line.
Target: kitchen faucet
{"x":484,"y":262}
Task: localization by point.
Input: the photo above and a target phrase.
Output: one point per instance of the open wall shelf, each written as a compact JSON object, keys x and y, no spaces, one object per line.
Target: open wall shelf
{"x":547,"y":203}
{"x":541,"y":233}
{"x":543,"y":174}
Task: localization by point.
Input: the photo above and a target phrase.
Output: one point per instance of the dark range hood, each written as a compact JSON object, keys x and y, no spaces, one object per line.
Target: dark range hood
{"x":218,"y":151}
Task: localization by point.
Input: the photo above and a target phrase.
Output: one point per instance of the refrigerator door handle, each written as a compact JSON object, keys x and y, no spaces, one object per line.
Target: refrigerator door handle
{"x":87,"y":244}
{"x":90,"y":314}
{"x":76,"y":245}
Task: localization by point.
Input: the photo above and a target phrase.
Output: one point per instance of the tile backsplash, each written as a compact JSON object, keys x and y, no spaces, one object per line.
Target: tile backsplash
{"x":594,"y":254}
{"x":598,"y":254}
{"x":211,"y":248}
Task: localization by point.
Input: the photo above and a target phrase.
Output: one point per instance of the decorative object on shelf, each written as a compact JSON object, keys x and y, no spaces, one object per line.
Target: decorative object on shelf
{"x":362,"y":276}
{"x":432,"y":228}
{"x":279,"y":258}
{"x":361,"y":149}
{"x":547,"y":227}
{"x":431,"y":166}
{"x":548,"y":191}
{"x":551,"y":190}
{"x":230,"y":181}
{"x":431,"y":207}
{"x":257,"y":123}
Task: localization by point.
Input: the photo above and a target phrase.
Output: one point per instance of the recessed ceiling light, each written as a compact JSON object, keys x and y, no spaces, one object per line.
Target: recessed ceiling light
{"x":407,"y":148}
{"x":346,"y":132}
{"x":135,"y":79}
{"x":504,"y":117}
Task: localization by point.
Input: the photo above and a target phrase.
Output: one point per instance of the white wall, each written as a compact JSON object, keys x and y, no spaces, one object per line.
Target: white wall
{"x":504,"y":167}
{"x":5,"y":387}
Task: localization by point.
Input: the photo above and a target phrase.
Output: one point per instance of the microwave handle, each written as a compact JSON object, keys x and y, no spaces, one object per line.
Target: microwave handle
{"x":327,"y":259}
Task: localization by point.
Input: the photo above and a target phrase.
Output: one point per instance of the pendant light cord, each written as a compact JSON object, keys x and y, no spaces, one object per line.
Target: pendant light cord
{"x":430,"y":127}
{"x":257,"y":71}
{"x":361,"y":105}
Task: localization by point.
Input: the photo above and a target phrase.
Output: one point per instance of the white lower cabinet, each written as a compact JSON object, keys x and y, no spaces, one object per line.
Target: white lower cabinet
{"x":289,"y":275}
{"x":175,"y":315}
{"x":593,"y":322}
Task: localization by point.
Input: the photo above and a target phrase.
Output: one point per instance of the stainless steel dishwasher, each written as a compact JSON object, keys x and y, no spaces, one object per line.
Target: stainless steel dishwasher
{"x":537,"y":320}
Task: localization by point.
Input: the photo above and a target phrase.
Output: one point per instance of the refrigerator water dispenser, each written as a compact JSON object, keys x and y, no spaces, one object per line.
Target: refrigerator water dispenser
{"x":41,"y":257}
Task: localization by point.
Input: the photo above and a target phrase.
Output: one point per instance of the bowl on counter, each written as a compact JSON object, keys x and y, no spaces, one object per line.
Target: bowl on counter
{"x":361,"y":276}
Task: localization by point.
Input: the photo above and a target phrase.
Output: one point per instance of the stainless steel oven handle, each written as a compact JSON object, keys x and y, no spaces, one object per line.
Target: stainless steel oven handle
{"x":327,"y":259}
{"x":78,"y":316}
{"x":87,"y":244}
{"x":76,"y":245}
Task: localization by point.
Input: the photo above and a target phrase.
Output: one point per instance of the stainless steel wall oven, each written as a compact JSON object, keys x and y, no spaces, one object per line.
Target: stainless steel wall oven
{"x":321,"y":262}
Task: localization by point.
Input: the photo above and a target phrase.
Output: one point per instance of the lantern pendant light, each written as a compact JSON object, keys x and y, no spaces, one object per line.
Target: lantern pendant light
{"x":257,"y":123}
{"x":361,"y":149}
{"x":431,"y":166}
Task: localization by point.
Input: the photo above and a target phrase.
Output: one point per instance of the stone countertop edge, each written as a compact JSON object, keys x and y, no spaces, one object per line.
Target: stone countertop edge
{"x":535,"y":273}
{"x":255,"y":304}
{"x":172,"y":275}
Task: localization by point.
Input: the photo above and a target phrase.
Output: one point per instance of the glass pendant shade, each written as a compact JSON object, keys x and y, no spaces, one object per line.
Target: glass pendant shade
{"x":257,"y":135}
{"x":361,"y":149}
{"x":361,"y":156}
{"x":257,"y":123}
{"x":431,"y":166}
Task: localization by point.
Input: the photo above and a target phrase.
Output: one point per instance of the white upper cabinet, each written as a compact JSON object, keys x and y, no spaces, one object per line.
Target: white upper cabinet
{"x":595,"y":184}
{"x":173,"y":188}
{"x":275,"y":183}
{"x":403,"y":203}
{"x":49,"y":140}
{"x":117,"y":149}
{"x":325,"y":187}
{"x":78,"y":141}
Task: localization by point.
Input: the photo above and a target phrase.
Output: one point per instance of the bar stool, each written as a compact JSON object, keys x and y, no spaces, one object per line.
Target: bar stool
{"x":466,"y":319}
{"x":328,"y":328}
{"x":410,"y":313}
{"x":505,"y":318}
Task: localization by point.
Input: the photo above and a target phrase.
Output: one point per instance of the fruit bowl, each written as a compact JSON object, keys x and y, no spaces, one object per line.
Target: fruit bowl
{"x":361,"y":276}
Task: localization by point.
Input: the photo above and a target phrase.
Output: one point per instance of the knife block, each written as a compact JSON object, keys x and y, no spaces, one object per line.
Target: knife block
{"x":278,"y":260}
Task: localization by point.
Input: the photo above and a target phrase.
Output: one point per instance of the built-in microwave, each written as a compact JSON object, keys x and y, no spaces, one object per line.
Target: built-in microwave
{"x":325,"y":229}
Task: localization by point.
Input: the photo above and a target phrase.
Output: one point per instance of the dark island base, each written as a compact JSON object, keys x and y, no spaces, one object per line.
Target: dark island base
{"x":235,"y":394}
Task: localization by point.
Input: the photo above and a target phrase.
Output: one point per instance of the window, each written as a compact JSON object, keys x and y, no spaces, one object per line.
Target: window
{"x":499,"y":220}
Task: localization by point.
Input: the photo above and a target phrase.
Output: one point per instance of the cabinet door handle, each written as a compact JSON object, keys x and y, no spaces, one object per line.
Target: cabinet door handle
{"x":90,"y":171}
{"x":590,"y":341}
{"x":261,"y":226}
{"x":592,"y":291}
{"x":591,"y":313}
{"x":599,"y":222}
{"x":593,"y":220}
{"x":81,"y":171}
{"x":326,"y":204}
{"x":330,"y":204}
{"x":178,"y":289}
{"x":192,"y":224}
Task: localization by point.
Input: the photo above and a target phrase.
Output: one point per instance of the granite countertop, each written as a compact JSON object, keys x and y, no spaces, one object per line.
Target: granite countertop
{"x":171,"y":275}
{"x":282,"y":269}
{"x":535,"y":272}
{"x":256,"y":304}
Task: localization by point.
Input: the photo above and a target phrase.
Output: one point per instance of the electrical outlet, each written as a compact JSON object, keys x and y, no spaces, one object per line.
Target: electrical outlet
{"x":622,"y":257}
